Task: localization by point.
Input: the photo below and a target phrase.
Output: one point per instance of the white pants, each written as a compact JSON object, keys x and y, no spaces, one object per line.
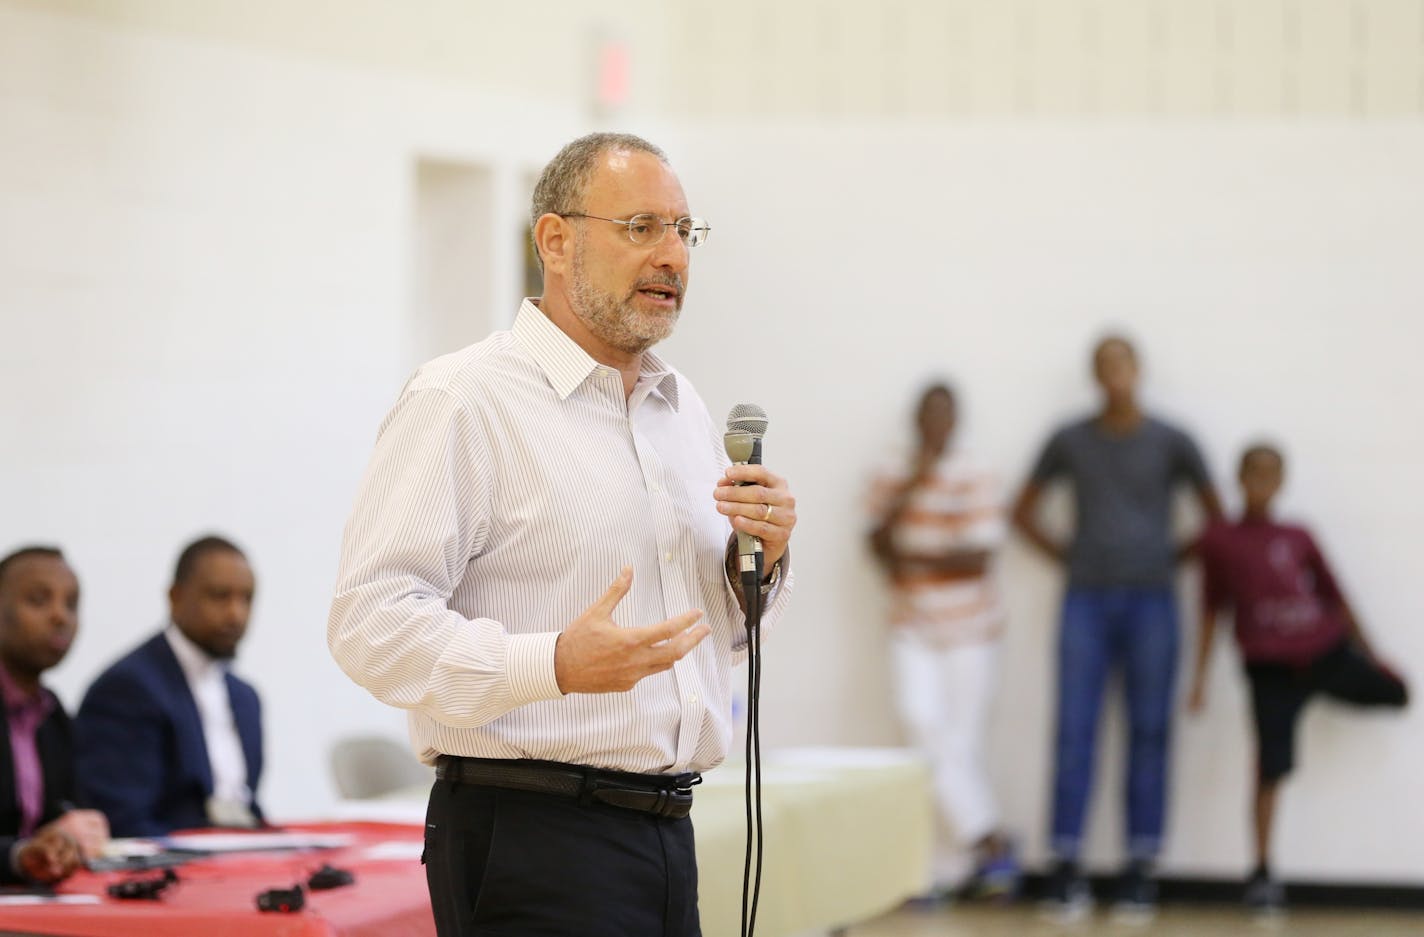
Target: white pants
{"x":943,"y":695}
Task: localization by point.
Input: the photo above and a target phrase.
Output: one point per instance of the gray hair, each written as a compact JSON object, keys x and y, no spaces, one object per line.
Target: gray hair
{"x":563,"y":184}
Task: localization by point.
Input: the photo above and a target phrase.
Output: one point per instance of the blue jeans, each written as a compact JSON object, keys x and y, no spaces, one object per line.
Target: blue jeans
{"x":1134,"y":630}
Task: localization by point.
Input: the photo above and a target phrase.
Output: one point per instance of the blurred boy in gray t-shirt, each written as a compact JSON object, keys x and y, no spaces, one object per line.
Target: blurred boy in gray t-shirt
{"x":1119,"y":612}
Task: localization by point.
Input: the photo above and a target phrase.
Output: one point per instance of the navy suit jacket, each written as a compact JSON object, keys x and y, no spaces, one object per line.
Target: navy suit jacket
{"x":56,"y":750}
{"x":140,"y":750}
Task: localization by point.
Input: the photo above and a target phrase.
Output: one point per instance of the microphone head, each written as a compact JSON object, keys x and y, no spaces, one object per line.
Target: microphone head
{"x":741,"y":447}
{"x":747,"y":418}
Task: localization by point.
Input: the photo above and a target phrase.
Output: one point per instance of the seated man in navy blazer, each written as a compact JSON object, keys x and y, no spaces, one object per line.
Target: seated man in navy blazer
{"x":43,"y":838}
{"x":168,"y":738}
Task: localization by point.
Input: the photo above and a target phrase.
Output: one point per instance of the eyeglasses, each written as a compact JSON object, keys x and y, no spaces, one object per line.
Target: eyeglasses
{"x":648,"y":229}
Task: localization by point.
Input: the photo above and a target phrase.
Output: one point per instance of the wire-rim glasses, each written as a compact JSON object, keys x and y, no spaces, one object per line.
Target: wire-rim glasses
{"x":648,"y":229}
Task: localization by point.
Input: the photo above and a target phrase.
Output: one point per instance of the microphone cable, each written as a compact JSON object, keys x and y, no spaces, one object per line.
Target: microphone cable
{"x":746,"y":424}
{"x":751,"y":885}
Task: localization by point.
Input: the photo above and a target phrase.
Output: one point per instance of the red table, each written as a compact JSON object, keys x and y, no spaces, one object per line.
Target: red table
{"x":216,"y":896}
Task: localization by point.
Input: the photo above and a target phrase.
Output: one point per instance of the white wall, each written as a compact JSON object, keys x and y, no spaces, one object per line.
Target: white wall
{"x":1271,"y":276}
{"x":206,"y":302}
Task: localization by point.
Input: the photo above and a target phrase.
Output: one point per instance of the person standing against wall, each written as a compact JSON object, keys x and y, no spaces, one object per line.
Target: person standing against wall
{"x":938,"y":522}
{"x":1119,"y":614}
{"x":1298,"y":635}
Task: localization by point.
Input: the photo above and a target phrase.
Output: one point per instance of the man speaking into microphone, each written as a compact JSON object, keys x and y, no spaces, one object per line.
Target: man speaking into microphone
{"x":540,"y":568}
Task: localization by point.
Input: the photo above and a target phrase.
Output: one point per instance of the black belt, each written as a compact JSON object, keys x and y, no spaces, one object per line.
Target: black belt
{"x":663,"y":795}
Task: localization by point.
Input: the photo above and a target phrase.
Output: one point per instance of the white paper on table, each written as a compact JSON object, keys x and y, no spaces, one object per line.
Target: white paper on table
{"x":10,"y":900}
{"x":130,"y":848}
{"x":256,"y":842}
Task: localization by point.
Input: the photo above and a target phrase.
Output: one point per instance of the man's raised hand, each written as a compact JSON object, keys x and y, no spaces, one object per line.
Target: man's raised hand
{"x":595,"y":655}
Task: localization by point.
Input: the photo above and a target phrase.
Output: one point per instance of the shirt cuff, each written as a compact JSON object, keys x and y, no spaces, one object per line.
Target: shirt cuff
{"x":780,"y":572}
{"x":530,"y":665}
{"x":775,"y":601}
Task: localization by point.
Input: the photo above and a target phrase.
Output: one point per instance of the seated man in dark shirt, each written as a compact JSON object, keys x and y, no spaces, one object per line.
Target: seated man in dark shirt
{"x":42,"y":837}
{"x":1298,"y":637}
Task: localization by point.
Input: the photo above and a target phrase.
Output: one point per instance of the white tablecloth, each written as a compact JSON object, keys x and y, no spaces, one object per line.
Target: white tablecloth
{"x":847,"y":837}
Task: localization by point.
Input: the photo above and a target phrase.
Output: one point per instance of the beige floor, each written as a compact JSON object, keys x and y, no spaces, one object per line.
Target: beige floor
{"x":979,"y":921}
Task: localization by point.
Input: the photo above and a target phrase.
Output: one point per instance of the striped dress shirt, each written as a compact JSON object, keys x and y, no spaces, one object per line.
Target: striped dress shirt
{"x":509,"y":484}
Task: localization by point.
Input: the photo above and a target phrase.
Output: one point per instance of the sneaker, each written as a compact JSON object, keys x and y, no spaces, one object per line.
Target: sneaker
{"x":1265,"y":896}
{"x":998,"y":877}
{"x":1136,"y":895}
{"x":1069,"y":898}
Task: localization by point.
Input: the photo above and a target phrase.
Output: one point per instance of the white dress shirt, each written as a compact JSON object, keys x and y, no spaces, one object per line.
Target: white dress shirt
{"x":509,"y":484}
{"x":207,"y":680}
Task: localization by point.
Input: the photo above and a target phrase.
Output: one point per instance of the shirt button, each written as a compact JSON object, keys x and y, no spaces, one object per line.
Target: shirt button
{"x":667,"y":557}
{"x":692,"y":698}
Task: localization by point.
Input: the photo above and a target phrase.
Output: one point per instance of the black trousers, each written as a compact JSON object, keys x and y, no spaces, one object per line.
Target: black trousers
{"x":1279,"y":693}
{"x":535,"y":865}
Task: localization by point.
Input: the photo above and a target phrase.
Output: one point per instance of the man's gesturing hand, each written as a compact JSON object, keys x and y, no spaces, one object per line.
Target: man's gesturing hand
{"x":594,"y":655}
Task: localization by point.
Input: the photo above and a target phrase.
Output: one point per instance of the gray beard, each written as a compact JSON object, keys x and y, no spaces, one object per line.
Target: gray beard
{"x":617,"y":322}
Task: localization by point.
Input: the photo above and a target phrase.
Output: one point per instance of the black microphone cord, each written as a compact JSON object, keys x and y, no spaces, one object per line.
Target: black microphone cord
{"x":751,"y":886}
{"x":745,"y":426}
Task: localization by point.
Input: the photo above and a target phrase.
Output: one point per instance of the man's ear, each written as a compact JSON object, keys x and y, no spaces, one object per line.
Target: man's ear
{"x":553,"y":239}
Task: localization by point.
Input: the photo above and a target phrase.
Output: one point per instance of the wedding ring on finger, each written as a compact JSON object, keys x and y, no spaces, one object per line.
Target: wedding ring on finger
{"x":766,"y":518}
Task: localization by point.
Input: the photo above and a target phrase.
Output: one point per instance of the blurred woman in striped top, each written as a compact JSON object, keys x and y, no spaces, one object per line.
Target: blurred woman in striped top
{"x":937,"y":522}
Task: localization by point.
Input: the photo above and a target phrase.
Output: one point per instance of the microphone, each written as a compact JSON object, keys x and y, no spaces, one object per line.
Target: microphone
{"x":746,"y":424}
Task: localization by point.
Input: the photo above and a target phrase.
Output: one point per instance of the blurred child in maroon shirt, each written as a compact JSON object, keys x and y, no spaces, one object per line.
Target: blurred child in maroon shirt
{"x":1297,"y":634}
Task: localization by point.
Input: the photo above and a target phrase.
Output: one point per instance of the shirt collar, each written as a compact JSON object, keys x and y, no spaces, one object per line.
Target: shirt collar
{"x":566,"y":365}
{"x":197,"y":664}
{"x":18,"y":701}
